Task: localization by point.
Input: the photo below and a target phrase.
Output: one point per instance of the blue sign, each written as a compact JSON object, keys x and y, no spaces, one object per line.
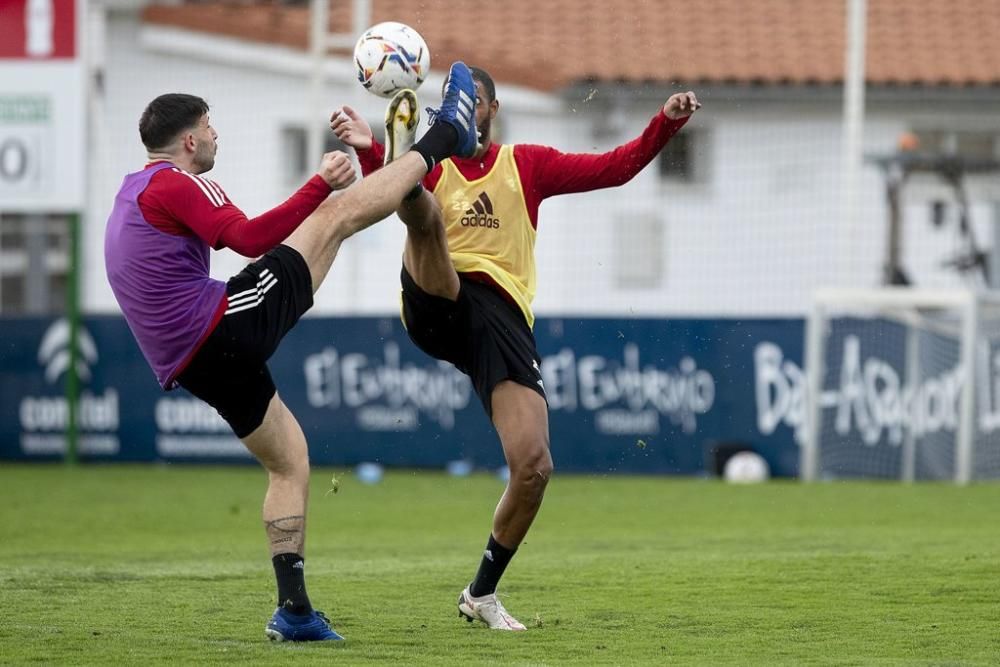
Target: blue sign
{"x":625,"y":396}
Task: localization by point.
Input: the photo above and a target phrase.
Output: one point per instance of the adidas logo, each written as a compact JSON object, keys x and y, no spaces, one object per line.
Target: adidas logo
{"x":480,"y":214}
{"x":489,"y":555}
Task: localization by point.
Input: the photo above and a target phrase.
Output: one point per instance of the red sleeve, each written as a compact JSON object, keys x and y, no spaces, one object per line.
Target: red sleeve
{"x":371,"y":160}
{"x":178,"y":202}
{"x":555,"y":173}
{"x":254,"y":237}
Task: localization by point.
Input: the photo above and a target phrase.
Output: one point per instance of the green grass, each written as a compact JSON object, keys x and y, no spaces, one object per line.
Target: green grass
{"x":168,"y":565}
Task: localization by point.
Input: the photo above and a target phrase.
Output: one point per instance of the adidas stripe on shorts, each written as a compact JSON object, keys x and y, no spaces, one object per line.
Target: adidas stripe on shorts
{"x":229,"y":371}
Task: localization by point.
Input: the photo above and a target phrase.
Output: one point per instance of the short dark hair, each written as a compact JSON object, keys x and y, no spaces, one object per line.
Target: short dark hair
{"x":483,"y":77}
{"x":167,"y":116}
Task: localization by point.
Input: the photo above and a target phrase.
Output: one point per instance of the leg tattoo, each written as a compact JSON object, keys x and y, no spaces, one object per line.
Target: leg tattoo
{"x":286,"y":534}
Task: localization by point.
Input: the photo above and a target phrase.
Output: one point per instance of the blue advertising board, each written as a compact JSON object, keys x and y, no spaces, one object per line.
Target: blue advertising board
{"x":625,"y":395}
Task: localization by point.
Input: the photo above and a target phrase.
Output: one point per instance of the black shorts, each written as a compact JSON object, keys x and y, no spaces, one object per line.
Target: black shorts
{"x":229,"y":371}
{"x":482,"y":334}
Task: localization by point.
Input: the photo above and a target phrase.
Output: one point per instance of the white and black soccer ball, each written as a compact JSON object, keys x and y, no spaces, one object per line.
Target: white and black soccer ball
{"x":391,"y":56}
{"x":746,"y":468}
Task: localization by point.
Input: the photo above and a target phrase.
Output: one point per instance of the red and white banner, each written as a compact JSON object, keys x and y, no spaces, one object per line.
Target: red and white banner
{"x":38,"y":29}
{"x":43,"y":105}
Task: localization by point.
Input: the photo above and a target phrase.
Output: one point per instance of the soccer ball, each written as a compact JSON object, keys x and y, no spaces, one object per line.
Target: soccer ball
{"x":746,"y":468}
{"x":391,"y":56}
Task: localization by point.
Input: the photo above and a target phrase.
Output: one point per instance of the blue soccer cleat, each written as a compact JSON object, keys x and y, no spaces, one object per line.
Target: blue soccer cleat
{"x":285,"y":626}
{"x":458,"y":108}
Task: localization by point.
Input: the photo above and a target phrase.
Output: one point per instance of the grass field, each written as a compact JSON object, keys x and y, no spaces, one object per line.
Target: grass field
{"x":168,"y":565}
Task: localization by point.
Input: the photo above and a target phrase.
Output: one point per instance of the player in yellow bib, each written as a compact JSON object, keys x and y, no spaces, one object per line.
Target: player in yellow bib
{"x":468,"y":281}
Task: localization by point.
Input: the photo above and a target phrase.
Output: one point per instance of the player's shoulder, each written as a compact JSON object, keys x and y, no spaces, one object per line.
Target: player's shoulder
{"x":177,"y":180}
{"x":174,"y":174}
{"x":172,"y":177}
{"x":533,"y":152}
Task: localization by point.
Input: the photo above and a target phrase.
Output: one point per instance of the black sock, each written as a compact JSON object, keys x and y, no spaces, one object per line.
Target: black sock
{"x":289,"y":570}
{"x":415,"y":192}
{"x":494,"y":562}
{"x":437,"y":144}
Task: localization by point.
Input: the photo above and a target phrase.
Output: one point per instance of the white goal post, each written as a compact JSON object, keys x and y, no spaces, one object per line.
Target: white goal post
{"x":902,"y":383}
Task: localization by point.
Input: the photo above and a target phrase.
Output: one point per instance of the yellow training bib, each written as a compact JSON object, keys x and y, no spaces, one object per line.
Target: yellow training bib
{"x":488,"y":228}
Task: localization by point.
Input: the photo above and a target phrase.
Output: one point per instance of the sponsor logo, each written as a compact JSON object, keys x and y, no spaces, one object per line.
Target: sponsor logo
{"x":480,"y":214}
{"x":187,"y":427}
{"x":44,"y":419}
{"x":54,"y":352}
{"x":385,"y":393}
{"x":626,"y":396}
{"x":871,"y":398}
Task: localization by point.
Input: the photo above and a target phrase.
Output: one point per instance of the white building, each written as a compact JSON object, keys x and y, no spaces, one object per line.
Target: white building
{"x":744,"y":215}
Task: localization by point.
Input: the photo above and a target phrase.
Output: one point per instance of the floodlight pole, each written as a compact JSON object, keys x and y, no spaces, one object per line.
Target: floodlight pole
{"x":319,"y":26}
{"x":321,"y":40}
{"x":854,"y":118}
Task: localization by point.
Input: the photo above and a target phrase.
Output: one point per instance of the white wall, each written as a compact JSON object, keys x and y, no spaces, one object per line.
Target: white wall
{"x":254,"y":92}
{"x":761,"y":232}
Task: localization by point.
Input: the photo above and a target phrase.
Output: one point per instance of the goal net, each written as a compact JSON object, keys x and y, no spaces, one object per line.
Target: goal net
{"x":903,"y":384}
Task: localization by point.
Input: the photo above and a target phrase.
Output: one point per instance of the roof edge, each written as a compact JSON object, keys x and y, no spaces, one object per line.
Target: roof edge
{"x":759,"y":92}
{"x":289,"y":61}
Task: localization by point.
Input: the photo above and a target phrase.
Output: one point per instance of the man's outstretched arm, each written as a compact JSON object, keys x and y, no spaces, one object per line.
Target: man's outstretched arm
{"x":179,"y":202}
{"x":555,"y":172}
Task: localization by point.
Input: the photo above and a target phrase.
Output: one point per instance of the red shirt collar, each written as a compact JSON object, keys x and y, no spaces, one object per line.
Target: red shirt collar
{"x":487,"y":159}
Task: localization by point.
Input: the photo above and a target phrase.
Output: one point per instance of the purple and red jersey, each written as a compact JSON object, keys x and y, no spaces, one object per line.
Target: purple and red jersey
{"x":156,"y":251}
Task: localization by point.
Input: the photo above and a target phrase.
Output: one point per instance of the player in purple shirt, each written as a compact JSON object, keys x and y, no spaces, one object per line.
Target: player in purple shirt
{"x":214,"y":338}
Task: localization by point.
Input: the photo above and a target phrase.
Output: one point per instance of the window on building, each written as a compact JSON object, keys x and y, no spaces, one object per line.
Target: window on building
{"x":295,"y":148}
{"x":639,"y":251}
{"x":294,"y":143}
{"x":11,"y":294}
{"x":684,"y":158}
{"x":34,"y":263}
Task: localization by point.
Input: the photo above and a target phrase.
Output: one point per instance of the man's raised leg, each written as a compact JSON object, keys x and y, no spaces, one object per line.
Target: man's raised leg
{"x":374,"y":198}
{"x":453,"y":133}
{"x":425,"y":254}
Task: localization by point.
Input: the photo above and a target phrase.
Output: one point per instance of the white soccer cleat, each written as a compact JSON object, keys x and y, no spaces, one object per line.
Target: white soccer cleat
{"x":487,"y":609}
{"x":401,"y":119}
